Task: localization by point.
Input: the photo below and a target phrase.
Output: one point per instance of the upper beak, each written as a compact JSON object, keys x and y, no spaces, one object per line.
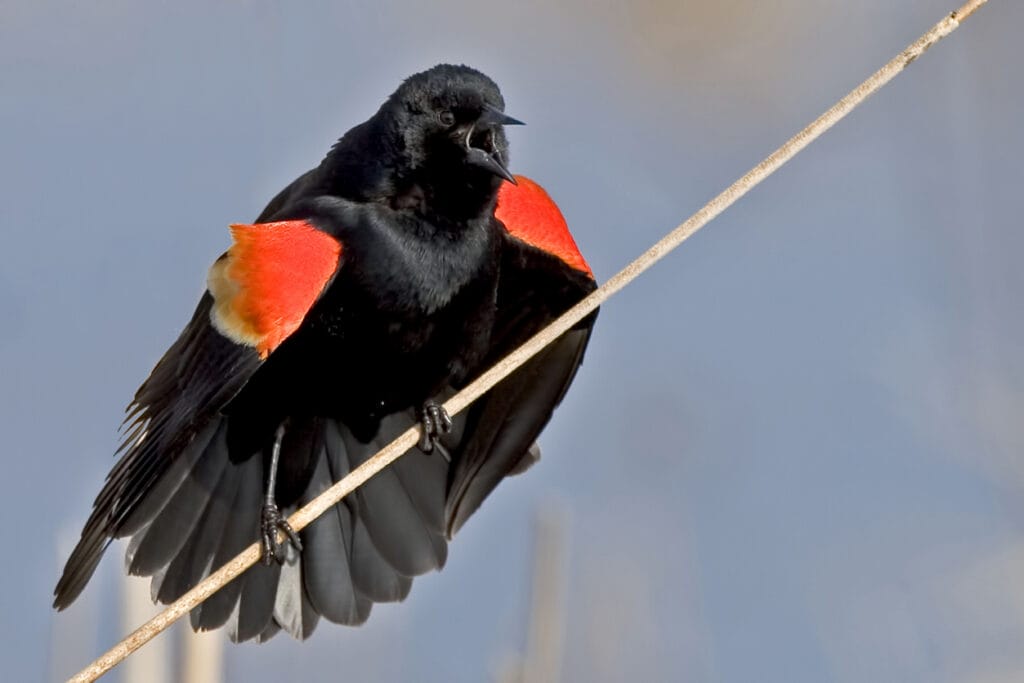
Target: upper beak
{"x":493,"y":116}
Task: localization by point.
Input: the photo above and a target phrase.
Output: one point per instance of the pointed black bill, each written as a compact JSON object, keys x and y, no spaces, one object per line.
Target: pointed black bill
{"x":493,"y":116}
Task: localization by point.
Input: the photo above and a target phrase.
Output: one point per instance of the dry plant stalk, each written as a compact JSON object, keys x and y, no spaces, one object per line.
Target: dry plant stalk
{"x":503,"y":368}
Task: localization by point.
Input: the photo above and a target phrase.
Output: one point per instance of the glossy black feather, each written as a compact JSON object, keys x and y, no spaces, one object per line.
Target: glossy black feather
{"x":535,"y":288}
{"x":397,"y":518}
{"x":504,"y":424}
{"x":241,"y":530}
{"x":173,"y":410}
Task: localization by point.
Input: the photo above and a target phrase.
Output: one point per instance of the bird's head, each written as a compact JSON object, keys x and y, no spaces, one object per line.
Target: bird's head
{"x":451,"y":120}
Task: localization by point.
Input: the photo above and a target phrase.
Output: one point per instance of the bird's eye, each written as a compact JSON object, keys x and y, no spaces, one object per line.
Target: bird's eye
{"x":446,"y":118}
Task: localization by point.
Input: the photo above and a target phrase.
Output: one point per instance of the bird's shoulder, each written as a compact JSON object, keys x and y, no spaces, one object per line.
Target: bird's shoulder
{"x":398,"y":254}
{"x":531,"y":217}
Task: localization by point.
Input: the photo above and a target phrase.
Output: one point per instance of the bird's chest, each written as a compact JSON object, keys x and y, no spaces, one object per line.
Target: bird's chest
{"x":403,"y":301}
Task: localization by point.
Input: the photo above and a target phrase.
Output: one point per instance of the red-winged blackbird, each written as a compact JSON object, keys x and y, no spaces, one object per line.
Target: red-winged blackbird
{"x":368,"y":291}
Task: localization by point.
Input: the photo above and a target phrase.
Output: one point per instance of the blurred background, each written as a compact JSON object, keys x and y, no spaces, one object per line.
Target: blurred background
{"x":796,"y":449}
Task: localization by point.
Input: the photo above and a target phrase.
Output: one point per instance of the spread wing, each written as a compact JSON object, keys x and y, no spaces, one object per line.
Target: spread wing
{"x":257,"y":295}
{"x":189,"y":507}
{"x":542,"y":275}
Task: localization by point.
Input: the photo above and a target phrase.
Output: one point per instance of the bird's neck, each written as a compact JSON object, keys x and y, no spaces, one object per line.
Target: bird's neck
{"x":369,"y":164}
{"x":453,"y":194}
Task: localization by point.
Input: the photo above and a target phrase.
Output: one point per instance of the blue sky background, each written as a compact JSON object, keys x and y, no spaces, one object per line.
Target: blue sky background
{"x":796,"y":449}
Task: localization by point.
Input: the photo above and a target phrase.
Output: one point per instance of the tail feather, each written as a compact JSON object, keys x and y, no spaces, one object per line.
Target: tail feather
{"x":162,"y":540}
{"x":272,"y":629}
{"x":289,"y":599}
{"x":205,"y":509}
{"x":326,"y":549}
{"x":241,"y":530}
{"x":255,"y":602}
{"x":372,"y":575}
{"x":424,"y":478}
{"x":310,"y":617}
{"x":400,"y":531}
{"x":194,"y":559}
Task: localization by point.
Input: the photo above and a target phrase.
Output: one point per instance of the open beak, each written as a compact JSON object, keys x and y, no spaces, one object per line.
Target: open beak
{"x":488,"y":162}
{"x":487,"y":157}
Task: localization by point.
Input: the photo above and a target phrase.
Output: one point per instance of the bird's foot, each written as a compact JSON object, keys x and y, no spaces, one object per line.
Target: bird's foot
{"x":271,"y":521}
{"x":436,"y":421}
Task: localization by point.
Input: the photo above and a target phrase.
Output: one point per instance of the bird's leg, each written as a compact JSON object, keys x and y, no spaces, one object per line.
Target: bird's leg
{"x":271,"y":520}
{"x":435,"y":421}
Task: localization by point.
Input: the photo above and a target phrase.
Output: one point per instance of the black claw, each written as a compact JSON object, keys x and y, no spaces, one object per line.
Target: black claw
{"x":271,"y":521}
{"x":436,"y":421}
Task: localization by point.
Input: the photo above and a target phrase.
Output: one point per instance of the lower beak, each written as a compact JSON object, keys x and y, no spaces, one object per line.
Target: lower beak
{"x":489,"y":162}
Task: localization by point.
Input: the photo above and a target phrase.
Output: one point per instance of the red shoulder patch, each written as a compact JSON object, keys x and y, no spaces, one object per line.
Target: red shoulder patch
{"x":265,"y":284}
{"x":532,"y":216}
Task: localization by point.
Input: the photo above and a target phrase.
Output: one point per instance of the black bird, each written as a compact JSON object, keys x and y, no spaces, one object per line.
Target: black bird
{"x":368,"y":291}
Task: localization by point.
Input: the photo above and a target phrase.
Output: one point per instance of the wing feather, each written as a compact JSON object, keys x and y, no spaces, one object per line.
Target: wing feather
{"x":259,"y":293}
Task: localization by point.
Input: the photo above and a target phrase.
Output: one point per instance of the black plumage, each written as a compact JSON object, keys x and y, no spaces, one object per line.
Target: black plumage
{"x":430,"y":289}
